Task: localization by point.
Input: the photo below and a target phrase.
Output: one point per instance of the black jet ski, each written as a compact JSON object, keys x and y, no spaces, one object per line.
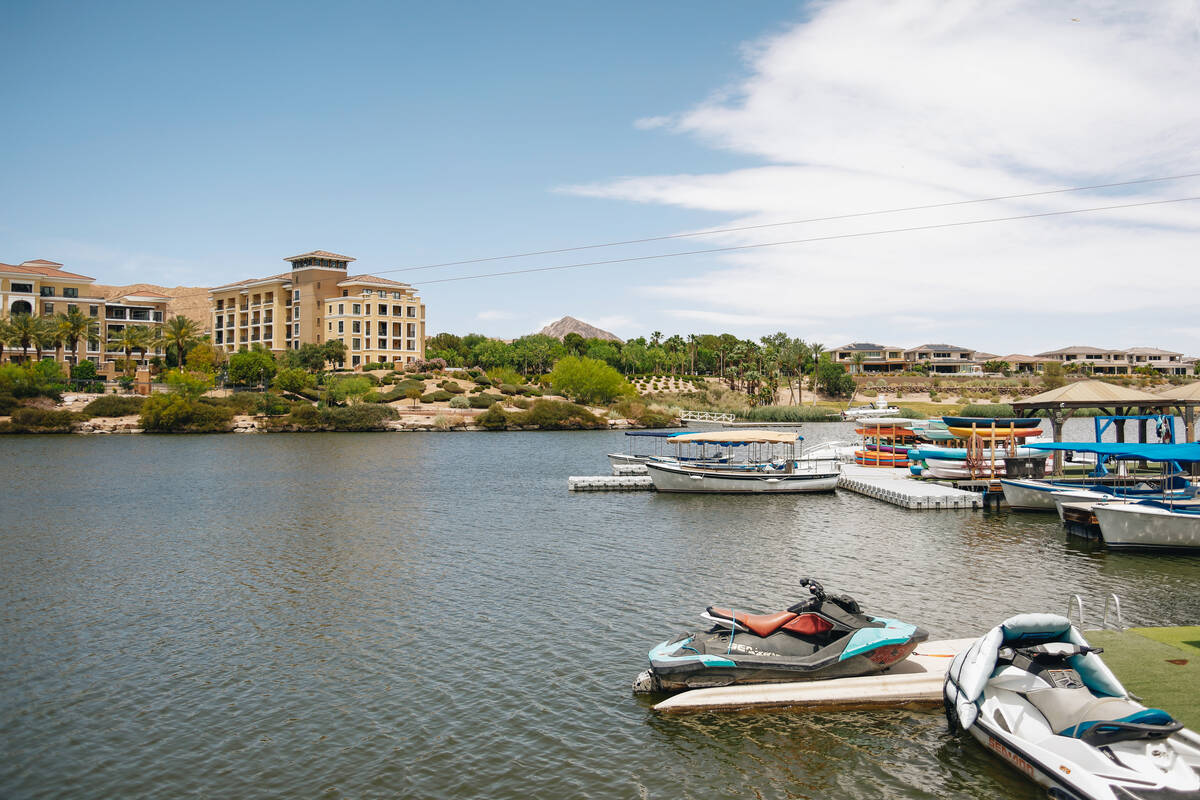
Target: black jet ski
{"x":823,"y":636}
{"x":1036,"y":694}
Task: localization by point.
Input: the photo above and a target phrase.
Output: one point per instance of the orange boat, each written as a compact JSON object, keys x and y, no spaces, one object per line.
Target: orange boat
{"x":995,"y":433}
{"x":879,"y":458}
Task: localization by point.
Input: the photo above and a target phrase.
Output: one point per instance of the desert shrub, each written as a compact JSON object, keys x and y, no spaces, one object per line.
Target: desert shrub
{"x":993,"y":410}
{"x":444,"y":422}
{"x":499,"y":375}
{"x":274,"y":405}
{"x":521,"y":403}
{"x":238,"y":402}
{"x":41,"y":420}
{"x":485,"y":400}
{"x":493,"y":419}
{"x":305,"y":415}
{"x":557,"y":415}
{"x":460,"y":402}
{"x":909,"y":413}
{"x":114,"y":405}
{"x":452,"y":387}
{"x":508,"y":389}
{"x":7,"y":404}
{"x":376,"y":397}
{"x":441,"y":396}
{"x":482,"y":380}
{"x":420,"y":376}
{"x":37,"y":379}
{"x":869,"y":393}
{"x":372,"y":365}
{"x":358,"y":418}
{"x":530,"y":390}
{"x":174,"y":413}
{"x":588,"y":380}
{"x":655,"y":419}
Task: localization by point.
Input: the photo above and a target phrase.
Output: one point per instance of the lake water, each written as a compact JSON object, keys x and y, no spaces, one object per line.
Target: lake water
{"x":434,"y":615}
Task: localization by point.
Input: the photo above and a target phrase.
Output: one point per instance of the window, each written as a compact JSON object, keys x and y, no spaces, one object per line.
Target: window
{"x":356,"y":344}
{"x":296,"y":332}
{"x":412,"y":311}
{"x":412,"y":345}
{"x":368,"y":293}
{"x":158,"y":316}
{"x":382,"y":310}
{"x":356,"y":308}
{"x":22,"y":288}
{"x":397,"y":296}
{"x":383,"y":329}
{"x":296,"y":315}
{"x":341,"y":308}
{"x":93,"y":311}
{"x":296,"y":296}
{"x":356,"y":326}
{"x":219,"y":335}
{"x":341,"y":326}
{"x":354,"y":360}
{"x":397,"y":311}
{"x":345,"y":293}
{"x":70,"y":292}
{"x":331,"y":326}
{"x":47,"y":291}
{"x":48,"y":308}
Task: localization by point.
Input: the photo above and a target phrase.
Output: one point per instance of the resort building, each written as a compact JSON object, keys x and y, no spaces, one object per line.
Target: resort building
{"x":1167,"y":362}
{"x":43,"y":288}
{"x":379,"y":320}
{"x":869,"y":357}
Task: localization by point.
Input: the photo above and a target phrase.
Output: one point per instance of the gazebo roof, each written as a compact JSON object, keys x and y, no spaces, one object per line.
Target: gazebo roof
{"x":1090,"y":394}
{"x":1189,"y":391}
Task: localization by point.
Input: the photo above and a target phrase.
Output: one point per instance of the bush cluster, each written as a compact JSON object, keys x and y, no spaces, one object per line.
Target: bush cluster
{"x":114,"y":405}
{"x":996,"y":410}
{"x":351,"y":418}
{"x":790,"y":414}
{"x":173,"y":413}
{"x":485,"y":400}
{"x":548,"y":415}
{"x":39,"y":420}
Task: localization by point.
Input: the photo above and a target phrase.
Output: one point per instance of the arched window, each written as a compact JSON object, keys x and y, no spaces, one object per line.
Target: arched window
{"x":21,"y":307}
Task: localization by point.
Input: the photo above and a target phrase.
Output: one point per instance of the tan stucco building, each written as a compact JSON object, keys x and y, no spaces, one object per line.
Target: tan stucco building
{"x":43,"y":288}
{"x":379,"y":320}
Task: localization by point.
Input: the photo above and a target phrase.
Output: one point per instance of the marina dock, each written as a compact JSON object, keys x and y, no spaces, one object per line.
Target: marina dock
{"x":914,"y":682}
{"x":896,"y":486}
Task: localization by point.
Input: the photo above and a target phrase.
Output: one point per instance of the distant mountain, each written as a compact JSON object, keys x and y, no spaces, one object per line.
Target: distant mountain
{"x":186,"y":301}
{"x":571,"y":325}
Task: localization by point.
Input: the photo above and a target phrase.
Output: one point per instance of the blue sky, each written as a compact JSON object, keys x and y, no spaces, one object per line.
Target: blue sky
{"x":201,"y":144}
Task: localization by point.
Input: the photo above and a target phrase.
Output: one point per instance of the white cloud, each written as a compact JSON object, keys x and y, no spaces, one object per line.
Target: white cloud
{"x":866,"y":107}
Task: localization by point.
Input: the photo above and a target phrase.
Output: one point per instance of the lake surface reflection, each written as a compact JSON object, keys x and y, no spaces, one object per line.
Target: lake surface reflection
{"x":434,"y":615}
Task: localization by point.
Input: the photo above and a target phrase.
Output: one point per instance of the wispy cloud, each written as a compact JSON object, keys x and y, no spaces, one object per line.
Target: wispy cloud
{"x":865,"y":107}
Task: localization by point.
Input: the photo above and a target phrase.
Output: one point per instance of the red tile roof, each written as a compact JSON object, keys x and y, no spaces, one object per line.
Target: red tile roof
{"x":48,"y":269}
{"x":373,"y":279}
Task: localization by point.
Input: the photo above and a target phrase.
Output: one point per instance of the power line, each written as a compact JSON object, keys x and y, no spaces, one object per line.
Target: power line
{"x":805,"y":241}
{"x":793,"y":222}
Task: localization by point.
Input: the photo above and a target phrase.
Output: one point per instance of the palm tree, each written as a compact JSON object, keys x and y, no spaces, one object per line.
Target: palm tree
{"x":655,"y":338}
{"x":130,"y":338}
{"x":180,"y":333}
{"x":75,"y":325}
{"x":692,"y":344}
{"x":25,"y":330}
{"x":857,"y":360}
{"x":5,"y":334}
{"x":45,"y":336}
{"x":815,"y":351}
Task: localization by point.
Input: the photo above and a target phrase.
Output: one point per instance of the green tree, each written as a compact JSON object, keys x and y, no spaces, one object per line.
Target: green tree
{"x":334,"y":351}
{"x":24,"y":331}
{"x":203,"y":357}
{"x":587,"y":380}
{"x":191,"y":385}
{"x":832,"y":379}
{"x":131,"y":338}
{"x":251,"y":368}
{"x":1052,"y":376}
{"x":75,"y":325}
{"x":347,"y":389}
{"x":180,"y":333}
{"x":293,"y":379}
{"x":413,"y":394}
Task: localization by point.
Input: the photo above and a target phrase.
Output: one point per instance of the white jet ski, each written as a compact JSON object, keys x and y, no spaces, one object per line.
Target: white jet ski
{"x":1035,"y":693}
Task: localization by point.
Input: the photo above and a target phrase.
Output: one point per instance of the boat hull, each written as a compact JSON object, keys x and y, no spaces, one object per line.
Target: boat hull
{"x":677,"y":478}
{"x":1031,"y":495}
{"x":1132,"y":525}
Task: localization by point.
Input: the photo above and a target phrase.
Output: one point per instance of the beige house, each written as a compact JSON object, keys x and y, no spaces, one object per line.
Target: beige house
{"x":44,"y":289}
{"x":870,"y":357}
{"x":941,"y":358}
{"x":379,"y":320}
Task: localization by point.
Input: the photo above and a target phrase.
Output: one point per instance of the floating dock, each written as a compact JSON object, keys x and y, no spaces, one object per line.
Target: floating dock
{"x":610,"y":483}
{"x":914,"y":682}
{"x":1159,"y":665}
{"x":896,"y":486}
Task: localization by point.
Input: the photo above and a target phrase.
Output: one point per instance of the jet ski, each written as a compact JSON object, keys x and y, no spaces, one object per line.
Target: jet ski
{"x":1035,"y":693}
{"x":822,"y":636}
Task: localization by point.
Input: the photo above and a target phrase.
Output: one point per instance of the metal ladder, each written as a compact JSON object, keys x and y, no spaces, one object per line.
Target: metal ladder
{"x":1075,"y":603}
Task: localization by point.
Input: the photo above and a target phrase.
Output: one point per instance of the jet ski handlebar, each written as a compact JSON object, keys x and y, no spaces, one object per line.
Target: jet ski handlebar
{"x":814,"y":602}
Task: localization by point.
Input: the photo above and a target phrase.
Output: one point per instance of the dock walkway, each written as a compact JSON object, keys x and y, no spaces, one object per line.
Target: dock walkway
{"x":914,"y":682}
{"x":897,"y":486}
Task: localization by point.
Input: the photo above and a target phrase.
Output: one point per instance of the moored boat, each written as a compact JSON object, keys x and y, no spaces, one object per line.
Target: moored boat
{"x":1148,"y":524}
{"x":771,"y":466}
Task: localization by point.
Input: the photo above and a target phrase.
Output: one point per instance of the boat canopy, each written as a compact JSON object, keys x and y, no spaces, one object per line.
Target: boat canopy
{"x":1155,"y":451}
{"x":659,"y":434}
{"x":739,"y":437}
